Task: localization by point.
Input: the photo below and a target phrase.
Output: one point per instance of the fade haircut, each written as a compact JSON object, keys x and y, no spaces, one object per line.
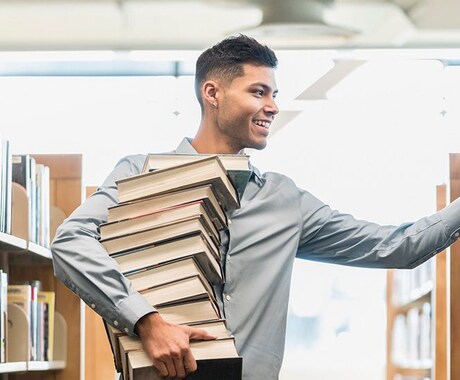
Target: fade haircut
{"x":225,"y":60}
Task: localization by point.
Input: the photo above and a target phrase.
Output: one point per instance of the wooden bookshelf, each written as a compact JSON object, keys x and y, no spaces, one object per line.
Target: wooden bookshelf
{"x":435,"y":293}
{"x":405,"y":366}
{"x":453,"y":277}
{"x":28,"y":261}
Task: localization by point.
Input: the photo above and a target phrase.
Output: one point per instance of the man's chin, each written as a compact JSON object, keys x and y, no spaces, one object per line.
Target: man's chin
{"x":259,"y":145}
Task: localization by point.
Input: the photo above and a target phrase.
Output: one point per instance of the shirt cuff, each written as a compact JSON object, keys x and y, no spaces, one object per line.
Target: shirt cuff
{"x":450,"y":217}
{"x":130,"y":310}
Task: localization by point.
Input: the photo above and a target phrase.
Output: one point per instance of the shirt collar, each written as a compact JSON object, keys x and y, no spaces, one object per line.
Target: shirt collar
{"x":186,"y":147}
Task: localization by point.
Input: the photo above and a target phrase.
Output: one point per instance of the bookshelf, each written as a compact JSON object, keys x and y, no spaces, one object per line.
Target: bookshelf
{"x":428,"y":327}
{"x":24,"y":261}
{"x":453,"y":278}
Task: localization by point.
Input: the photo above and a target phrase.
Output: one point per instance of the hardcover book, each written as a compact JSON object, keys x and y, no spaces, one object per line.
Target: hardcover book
{"x":206,"y":171}
{"x":236,"y":165}
{"x":195,"y":246}
{"x":150,"y":205}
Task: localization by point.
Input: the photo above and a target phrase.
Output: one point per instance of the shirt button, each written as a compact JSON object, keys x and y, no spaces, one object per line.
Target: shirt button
{"x":457,"y":234}
{"x":229,"y":221}
{"x":126,"y":330}
{"x":115,"y":323}
{"x":227,"y":297}
{"x":93,"y":305}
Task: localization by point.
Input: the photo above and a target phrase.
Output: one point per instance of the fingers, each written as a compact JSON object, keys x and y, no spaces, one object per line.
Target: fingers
{"x":189,"y":362}
{"x":176,"y":364}
{"x":199,"y":334}
{"x":179,"y":367}
{"x":161,"y":368}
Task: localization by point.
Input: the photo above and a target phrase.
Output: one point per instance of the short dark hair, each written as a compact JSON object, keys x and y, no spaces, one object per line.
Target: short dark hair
{"x":225,"y":60}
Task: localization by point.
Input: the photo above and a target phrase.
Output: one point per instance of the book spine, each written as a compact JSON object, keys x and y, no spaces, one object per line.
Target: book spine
{"x":3,"y":315}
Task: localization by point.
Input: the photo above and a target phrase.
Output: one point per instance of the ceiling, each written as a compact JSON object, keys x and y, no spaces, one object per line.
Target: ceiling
{"x":192,"y":24}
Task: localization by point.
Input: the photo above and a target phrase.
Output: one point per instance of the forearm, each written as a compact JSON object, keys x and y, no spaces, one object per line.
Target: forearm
{"x":84,"y":266}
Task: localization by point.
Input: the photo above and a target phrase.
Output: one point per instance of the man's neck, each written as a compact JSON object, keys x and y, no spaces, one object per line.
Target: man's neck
{"x":206,"y":142}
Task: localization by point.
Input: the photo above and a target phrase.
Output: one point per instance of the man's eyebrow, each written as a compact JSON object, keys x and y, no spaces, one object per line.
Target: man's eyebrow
{"x":265,"y":86}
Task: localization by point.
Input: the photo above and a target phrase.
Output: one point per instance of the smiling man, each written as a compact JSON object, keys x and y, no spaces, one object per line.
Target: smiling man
{"x":277,"y":222}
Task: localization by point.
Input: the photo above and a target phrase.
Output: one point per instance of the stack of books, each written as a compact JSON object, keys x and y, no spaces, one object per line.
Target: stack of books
{"x":165,"y":236}
{"x":39,"y":308}
{"x":35,"y":179}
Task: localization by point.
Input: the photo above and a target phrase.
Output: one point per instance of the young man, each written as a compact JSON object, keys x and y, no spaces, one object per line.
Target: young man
{"x":236,"y":89}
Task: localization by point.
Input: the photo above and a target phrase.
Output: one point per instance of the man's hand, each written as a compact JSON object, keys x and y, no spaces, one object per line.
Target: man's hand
{"x":168,"y":345}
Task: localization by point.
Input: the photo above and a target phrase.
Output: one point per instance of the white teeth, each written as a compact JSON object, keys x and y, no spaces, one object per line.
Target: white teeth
{"x":264,"y":124}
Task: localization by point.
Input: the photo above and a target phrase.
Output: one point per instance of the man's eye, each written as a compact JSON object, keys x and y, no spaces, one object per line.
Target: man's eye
{"x":259,"y":92}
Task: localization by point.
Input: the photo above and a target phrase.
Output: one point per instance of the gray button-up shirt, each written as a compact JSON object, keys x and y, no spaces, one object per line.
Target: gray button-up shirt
{"x":277,"y":222}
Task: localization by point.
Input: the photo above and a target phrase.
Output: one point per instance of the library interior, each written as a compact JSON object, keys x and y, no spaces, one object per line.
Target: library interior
{"x":368,"y":123}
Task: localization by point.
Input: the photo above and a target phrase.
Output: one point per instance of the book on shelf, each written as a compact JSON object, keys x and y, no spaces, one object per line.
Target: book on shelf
{"x":35,"y":318}
{"x":43,"y":205}
{"x":24,"y":174}
{"x":150,"y":205}
{"x":208,"y":170}
{"x":196,"y":246}
{"x":151,"y":220}
{"x":413,"y":284}
{"x":34,"y":178}
{"x":236,"y":165}
{"x":215,"y":359}
{"x":411,"y":338}
{"x":3,"y":316}
{"x":162,"y":233}
{"x":47,"y":299}
{"x":5,"y":186}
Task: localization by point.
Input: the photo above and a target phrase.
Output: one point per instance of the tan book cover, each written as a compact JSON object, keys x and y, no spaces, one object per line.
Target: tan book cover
{"x":161,"y":234}
{"x":151,"y":220}
{"x":190,"y":312}
{"x":236,"y":165}
{"x":153,"y":204}
{"x":190,"y":246}
{"x":165,"y":273}
{"x":197,"y":173}
{"x":191,"y":288}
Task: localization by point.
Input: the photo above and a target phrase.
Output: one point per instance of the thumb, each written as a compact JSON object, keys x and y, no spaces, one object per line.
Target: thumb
{"x":199,"y":334}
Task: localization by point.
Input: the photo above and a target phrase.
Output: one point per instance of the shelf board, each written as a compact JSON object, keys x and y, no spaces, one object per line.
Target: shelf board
{"x":45,"y":366}
{"x":10,"y":243}
{"x":415,"y":366}
{"x":13,"y":367}
{"x":418,"y":296}
{"x":39,"y":250}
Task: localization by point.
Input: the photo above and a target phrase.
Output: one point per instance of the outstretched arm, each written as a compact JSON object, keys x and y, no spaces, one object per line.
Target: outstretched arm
{"x":330,"y":236}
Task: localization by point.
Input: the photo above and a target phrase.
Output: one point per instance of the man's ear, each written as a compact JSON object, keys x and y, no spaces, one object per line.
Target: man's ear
{"x":210,"y":93}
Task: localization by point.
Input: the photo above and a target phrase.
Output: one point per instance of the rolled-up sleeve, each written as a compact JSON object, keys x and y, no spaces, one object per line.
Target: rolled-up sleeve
{"x":330,"y":236}
{"x":83,"y":265}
